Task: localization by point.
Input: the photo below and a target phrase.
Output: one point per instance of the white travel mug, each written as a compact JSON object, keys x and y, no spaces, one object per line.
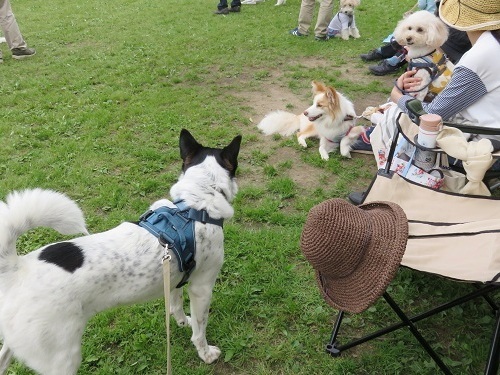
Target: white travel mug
{"x":429,"y":128}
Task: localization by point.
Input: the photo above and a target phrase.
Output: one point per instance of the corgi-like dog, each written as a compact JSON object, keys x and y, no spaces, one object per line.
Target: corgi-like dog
{"x":331,"y":118}
{"x":48,"y":295}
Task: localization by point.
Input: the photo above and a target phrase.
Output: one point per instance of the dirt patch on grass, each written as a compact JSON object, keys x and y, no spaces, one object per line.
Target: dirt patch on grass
{"x":271,"y":93}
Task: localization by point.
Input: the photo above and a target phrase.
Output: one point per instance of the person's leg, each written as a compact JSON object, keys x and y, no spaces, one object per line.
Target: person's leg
{"x":222,"y":4}
{"x":325,"y":14}
{"x":9,"y":26}
{"x":305,"y":16}
{"x":388,"y":50}
{"x":389,"y":65}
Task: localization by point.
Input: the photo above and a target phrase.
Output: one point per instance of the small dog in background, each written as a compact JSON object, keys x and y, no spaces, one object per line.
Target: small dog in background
{"x":330,"y":118}
{"x":422,"y":34}
{"x":343,"y":24}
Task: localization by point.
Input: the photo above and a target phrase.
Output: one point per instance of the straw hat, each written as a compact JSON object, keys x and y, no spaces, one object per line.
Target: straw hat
{"x":471,"y":15}
{"x":355,"y":251}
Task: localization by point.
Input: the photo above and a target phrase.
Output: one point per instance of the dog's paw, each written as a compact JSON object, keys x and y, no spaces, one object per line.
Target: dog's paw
{"x":324,"y":155}
{"x":302,"y":142}
{"x":346,"y":153}
{"x":210,"y":354}
{"x":184,"y":322}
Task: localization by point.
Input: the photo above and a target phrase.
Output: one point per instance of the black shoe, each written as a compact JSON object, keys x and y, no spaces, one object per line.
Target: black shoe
{"x":357,"y":197}
{"x":22,"y":53}
{"x":321,"y":38}
{"x":222,"y":11}
{"x":236,"y":9}
{"x":373,"y":55}
{"x":384,"y":68}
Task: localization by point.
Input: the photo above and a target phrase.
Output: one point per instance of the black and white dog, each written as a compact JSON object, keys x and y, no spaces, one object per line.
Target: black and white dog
{"x":48,"y":295}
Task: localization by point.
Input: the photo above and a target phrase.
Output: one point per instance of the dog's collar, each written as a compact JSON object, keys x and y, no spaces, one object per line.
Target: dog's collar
{"x":174,"y":228}
{"x":199,"y":215}
{"x":346,"y":118}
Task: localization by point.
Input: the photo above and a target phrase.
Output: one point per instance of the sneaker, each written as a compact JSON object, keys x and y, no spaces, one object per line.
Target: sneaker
{"x":373,"y":55}
{"x":222,"y":11}
{"x":362,"y":144}
{"x":321,"y":38}
{"x":22,"y":53}
{"x":236,"y":9}
{"x":384,"y":68}
{"x":296,"y":32}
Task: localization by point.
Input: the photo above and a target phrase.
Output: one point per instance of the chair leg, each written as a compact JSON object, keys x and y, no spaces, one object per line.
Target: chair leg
{"x":331,"y":346}
{"x":334,"y":349}
{"x":417,"y":334}
{"x":493,"y":357}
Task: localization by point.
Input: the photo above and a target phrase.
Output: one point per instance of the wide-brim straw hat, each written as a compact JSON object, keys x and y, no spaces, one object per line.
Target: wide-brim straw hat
{"x":471,"y":15}
{"x":355,"y":251}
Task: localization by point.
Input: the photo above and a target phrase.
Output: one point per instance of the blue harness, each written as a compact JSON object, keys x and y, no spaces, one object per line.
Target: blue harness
{"x":174,"y":228}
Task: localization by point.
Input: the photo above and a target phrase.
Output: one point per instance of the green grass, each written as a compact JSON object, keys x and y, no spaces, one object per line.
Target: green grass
{"x":97,"y":113}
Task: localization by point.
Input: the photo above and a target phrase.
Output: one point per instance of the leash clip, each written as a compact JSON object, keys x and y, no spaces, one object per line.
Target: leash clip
{"x":166,"y":255}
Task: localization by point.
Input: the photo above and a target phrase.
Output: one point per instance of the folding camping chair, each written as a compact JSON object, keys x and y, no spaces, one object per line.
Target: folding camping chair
{"x":443,"y":226}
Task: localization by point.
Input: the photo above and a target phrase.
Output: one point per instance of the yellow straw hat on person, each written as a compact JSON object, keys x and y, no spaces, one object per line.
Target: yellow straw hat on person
{"x":471,"y":15}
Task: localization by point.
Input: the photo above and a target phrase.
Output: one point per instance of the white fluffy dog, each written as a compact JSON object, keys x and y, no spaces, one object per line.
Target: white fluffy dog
{"x":48,"y":295}
{"x":422,"y":34}
{"x":343,"y":24}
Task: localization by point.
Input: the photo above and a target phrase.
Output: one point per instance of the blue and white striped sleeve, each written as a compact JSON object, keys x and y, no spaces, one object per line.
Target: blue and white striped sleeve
{"x":464,"y":89}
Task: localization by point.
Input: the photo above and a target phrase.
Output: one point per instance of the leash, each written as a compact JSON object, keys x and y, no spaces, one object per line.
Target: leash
{"x":352,"y":118}
{"x":166,"y":290}
{"x":435,"y":70}
{"x":174,"y":228}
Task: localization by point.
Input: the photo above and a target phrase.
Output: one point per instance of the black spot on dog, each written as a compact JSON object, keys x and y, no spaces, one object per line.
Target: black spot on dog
{"x":66,"y":255}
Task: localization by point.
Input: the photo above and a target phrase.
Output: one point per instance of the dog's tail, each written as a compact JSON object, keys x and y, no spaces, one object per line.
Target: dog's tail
{"x":279,"y":122}
{"x":29,"y":209}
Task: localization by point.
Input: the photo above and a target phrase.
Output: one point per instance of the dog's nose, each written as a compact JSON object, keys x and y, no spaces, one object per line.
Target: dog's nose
{"x":306,"y":114}
{"x":409,"y":39}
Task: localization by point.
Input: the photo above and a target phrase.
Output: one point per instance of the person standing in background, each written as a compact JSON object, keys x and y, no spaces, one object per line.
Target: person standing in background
{"x":12,"y":34}
{"x":325,"y":14}
{"x":223,"y":9}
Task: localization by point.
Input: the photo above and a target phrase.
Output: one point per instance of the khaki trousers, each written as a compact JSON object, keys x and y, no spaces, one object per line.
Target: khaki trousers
{"x":9,"y":26}
{"x":325,"y":14}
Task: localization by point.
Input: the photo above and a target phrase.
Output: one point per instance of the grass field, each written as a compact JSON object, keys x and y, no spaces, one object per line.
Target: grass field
{"x":96,"y":114}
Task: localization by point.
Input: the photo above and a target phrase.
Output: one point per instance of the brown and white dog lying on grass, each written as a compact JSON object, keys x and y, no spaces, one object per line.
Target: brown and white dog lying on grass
{"x":330,"y":118}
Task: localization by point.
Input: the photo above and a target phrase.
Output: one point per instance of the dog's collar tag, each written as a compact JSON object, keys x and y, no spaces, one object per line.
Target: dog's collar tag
{"x":174,"y":228}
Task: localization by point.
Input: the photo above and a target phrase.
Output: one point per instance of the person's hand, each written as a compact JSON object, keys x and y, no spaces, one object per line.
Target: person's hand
{"x":407,"y":81}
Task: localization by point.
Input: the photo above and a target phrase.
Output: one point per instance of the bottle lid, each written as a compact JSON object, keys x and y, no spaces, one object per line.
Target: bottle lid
{"x":431,"y":122}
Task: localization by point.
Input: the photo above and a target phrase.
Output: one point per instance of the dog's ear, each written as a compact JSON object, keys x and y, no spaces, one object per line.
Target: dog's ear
{"x":230,"y":153}
{"x":437,"y":33}
{"x":399,"y":32}
{"x":187,"y":144}
{"x":333,"y":98}
{"x":317,"y":87}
